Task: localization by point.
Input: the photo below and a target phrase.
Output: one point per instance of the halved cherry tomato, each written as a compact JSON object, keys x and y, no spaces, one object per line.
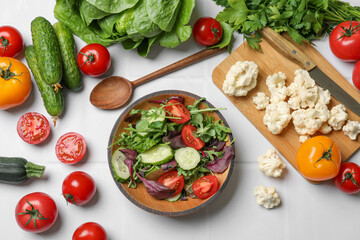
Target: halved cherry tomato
{"x":33,"y":127}
{"x":187,"y":135}
{"x":178,"y":110}
{"x":70,"y":148}
{"x":319,"y":158}
{"x":205,"y":186}
{"x":348,"y":179}
{"x":78,"y":188}
{"x":173,"y":181}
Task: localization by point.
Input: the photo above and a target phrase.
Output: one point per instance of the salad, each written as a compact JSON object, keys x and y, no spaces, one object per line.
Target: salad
{"x":175,"y":150}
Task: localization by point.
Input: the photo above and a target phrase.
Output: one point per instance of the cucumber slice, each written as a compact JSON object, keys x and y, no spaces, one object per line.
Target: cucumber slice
{"x":187,"y":158}
{"x":121,"y":171}
{"x":157,"y":155}
{"x":174,"y":198}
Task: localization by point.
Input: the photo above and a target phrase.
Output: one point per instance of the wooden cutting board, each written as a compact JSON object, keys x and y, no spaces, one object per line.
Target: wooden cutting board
{"x":269,"y":62}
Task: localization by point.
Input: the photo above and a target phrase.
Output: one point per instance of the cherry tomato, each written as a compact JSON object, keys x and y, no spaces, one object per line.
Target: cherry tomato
{"x":11,"y":41}
{"x":187,"y":135}
{"x":36,"y":212}
{"x":15,"y":83}
{"x":78,"y":188}
{"x":356,"y":75}
{"x":319,"y":158}
{"x":173,"y":181}
{"x":33,"y":128}
{"x":70,"y":148}
{"x":345,"y":41}
{"x":207,"y":31}
{"x":94,"y":59}
{"x":177,"y":110}
{"x":205,"y":186}
{"x":90,"y":231}
{"x":348,"y":179}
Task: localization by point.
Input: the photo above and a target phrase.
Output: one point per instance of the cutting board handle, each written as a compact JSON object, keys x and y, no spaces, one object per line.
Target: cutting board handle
{"x":287,"y":49}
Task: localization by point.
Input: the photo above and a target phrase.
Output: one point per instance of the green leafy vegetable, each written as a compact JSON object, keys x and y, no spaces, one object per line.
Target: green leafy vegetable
{"x":113,"y":6}
{"x":163,"y":12}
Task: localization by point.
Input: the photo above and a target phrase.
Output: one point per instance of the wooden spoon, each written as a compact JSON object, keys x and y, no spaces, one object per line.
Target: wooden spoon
{"x":114,"y":92}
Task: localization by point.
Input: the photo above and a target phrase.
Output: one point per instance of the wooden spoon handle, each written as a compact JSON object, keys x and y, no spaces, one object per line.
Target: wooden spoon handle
{"x":206,"y":53}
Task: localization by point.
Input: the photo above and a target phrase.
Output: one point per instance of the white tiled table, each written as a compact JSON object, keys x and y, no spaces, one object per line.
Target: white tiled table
{"x":307,"y":211}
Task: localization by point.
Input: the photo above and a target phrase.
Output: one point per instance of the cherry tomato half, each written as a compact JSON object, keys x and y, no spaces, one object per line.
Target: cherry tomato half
{"x":344,"y":41}
{"x":173,"y":181}
{"x":70,"y":148}
{"x":78,"y":188}
{"x":348,"y":179}
{"x":177,"y":110}
{"x":356,"y":75}
{"x":94,"y":59}
{"x":90,"y":231}
{"x":11,"y":41}
{"x":187,"y":135}
{"x":205,"y":186}
{"x":33,"y":128}
{"x":36,"y":212}
{"x":319,"y":158}
{"x":207,"y":31}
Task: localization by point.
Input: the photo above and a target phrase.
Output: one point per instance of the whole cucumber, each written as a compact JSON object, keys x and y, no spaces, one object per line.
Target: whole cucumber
{"x":53,"y":101}
{"x":71,"y":72}
{"x":17,"y":170}
{"x":47,"y":50}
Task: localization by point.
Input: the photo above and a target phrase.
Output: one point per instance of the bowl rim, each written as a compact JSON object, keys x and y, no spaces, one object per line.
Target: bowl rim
{"x":120,"y":186}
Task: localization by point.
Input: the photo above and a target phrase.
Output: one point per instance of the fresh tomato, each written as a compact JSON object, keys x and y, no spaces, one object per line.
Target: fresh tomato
{"x":187,"y":135}
{"x":78,"y":188}
{"x":15,"y":83}
{"x":90,"y":231}
{"x":178,"y":111}
{"x":207,"y":31}
{"x":319,"y":158}
{"x":356,"y":75}
{"x":205,"y":186}
{"x":70,"y":148}
{"x":348,"y":179}
{"x":345,"y":41}
{"x":11,"y":41}
{"x":173,"y":181}
{"x":33,"y":128}
{"x":94,"y":59}
{"x":36,"y":212}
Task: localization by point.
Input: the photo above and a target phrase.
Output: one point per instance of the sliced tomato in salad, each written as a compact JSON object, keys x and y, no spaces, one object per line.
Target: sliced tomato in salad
{"x":178,"y":111}
{"x":205,"y":186}
{"x":173,"y":181}
{"x":187,"y":135}
{"x":70,"y":148}
{"x":33,"y":128}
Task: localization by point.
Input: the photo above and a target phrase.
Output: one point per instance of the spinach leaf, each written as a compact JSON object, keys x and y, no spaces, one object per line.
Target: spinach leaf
{"x":163,"y":12}
{"x":113,"y":6}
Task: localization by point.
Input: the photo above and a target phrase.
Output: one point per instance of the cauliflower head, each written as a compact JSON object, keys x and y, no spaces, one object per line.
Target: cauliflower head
{"x":324,"y":96}
{"x":352,"y":129}
{"x":277,"y":88}
{"x":325,"y":128}
{"x":338,"y":117}
{"x":303,"y":91}
{"x":270,"y":163}
{"x":277,"y":117}
{"x":267,"y":196}
{"x":241,"y":78}
{"x":261,"y":100}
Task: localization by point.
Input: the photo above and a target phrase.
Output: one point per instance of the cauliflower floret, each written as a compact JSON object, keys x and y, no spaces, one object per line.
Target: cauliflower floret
{"x":352,"y":129}
{"x":303,"y":92}
{"x":241,"y":78}
{"x":270,"y":163}
{"x":308,"y":121}
{"x":277,"y":117}
{"x":338,"y":116}
{"x":303,"y":138}
{"x":277,"y":88}
{"x":325,"y":128}
{"x":267,"y":196}
{"x":261,"y":100}
{"x":324,"y":96}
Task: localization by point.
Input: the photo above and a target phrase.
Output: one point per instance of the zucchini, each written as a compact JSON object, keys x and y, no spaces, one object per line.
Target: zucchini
{"x":157,"y":155}
{"x":47,"y":50}
{"x":120,"y":170}
{"x":17,"y":170}
{"x":53,"y":101}
{"x":187,"y":158}
{"x":71,"y":72}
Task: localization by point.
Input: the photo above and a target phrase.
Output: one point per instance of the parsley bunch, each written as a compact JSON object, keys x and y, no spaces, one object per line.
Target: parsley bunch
{"x":303,"y":20}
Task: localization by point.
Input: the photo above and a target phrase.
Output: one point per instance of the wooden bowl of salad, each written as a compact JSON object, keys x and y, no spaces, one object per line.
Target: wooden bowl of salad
{"x":171,"y":153}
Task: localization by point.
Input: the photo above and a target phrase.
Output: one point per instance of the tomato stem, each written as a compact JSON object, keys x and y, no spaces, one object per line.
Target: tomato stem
{"x":349,"y":176}
{"x":326,"y":154}
{"x":34,"y":214}
{"x":348,"y":32}
{"x":8,"y":75}
{"x":4,"y":43}
{"x":69,"y":198}
{"x":89,"y":58}
{"x":215,"y":31}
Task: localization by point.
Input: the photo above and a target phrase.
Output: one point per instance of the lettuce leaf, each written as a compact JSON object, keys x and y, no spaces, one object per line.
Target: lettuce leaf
{"x":89,"y":12}
{"x":163,"y":12}
{"x":113,"y":6}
